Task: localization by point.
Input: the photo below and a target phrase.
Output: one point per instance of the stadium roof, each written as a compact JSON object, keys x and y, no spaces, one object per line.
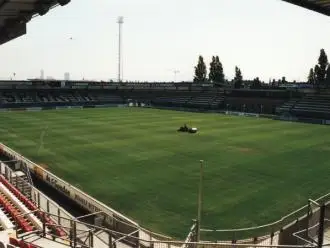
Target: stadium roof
{"x":321,"y":6}
{"x":14,"y":14}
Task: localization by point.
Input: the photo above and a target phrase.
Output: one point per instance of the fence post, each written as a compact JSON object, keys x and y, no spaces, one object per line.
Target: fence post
{"x":47,"y":206}
{"x":234,"y":238}
{"x":58,"y":216}
{"x":71,"y":233}
{"x":138,"y":239}
{"x":74,"y":234}
{"x":6,"y":172}
{"x":321,"y":226}
{"x":110,"y":240}
{"x":38,"y":199}
{"x":271,"y":237}
{"x":43,"y":224}
{"x":91,"y":242}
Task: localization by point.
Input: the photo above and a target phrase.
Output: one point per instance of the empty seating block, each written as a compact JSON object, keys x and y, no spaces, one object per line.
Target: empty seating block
{"x":32,"y":207}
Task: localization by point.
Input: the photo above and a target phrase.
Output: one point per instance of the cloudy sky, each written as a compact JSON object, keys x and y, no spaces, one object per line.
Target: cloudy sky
{"x":269,"y":39}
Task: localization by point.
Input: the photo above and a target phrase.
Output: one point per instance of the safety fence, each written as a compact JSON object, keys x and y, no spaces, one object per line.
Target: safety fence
{"x":306,"y":220}
{"x":85,"y":235}
{"x":16,"y":179}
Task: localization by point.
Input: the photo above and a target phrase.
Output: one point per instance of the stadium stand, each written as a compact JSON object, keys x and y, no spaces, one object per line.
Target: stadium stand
{"x":17,"y":209}
{"x":258,"y":101}
{"x":313,"y":106}
{"x":26,"y":223}
{"x":50,"y":94}
{"x":211,"y":99}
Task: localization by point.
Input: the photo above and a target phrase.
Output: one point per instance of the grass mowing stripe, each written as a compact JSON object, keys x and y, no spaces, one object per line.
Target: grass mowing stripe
{"x":134,"y":160}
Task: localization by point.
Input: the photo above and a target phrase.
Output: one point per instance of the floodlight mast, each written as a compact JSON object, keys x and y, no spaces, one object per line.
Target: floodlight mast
{"x":120,"y":22}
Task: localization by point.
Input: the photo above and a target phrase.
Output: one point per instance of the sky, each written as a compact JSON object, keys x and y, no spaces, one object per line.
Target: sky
{"x":268,"y":39}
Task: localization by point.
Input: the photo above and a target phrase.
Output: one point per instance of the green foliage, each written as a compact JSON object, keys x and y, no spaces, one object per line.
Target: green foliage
{"x":216,"y":74}
{"x":323,"y":63}
{"x":200,"y":71}
{"x":256,"y":84}
{"x":311,"y":76}
{"x":327,"y":77}
{"x":238,"y":80}
{"x":320,"y":70}
{"x":274,"y":83}
{"x":318,"y":74}
{"x":212,"y":70}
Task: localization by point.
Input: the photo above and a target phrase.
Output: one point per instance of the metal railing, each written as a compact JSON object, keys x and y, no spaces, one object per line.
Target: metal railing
{"x":86,"y":235}
{"x":26,"y":170}
{"x":266,"y":231}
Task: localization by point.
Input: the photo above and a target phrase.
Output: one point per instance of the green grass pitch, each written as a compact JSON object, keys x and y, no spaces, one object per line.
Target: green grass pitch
{"x":132,"y":159}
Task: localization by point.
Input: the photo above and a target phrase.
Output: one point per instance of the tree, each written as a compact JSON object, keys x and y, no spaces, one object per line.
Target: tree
{"x":238,"y":80}
{"x":318,"y":74}
{"x":327,"y":76}
{"x":212,"y":70}
{"x":283,"y":81}
{"x":219,"y":75}
{"x":320,"y":70}
{"x":274,"y":83}
{"x":216,"y":74}
{"x":200,"y":71}
{"x":256,"y":84}
{"x":311,"y":76}
{"x":323,"y":63}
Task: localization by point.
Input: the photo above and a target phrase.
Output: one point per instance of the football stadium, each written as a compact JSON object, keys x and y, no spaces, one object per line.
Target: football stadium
{"x":160,"y":165}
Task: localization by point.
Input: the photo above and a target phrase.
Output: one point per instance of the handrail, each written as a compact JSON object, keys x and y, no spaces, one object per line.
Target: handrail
{"x":28,"y":174}
{"x":175,"y":243}
{"x":125,"y":236}
{"x":269,"y":224}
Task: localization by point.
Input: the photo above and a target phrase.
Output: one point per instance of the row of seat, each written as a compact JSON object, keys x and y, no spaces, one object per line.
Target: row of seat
{"x":32,"y":207}
{"x":186,"y":97}
{"x":16,"y":214}
{"x":63,"y":98}
{"x":21,"y":243}
{"x":31,"y":217}
{"x":5,"y":221}
{"x":198,"y":100}
{"x":287,"y":106}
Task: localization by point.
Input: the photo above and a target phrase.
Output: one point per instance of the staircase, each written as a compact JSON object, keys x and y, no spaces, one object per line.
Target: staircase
{"x":287,"y":106}
{"x":21,"y":181}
